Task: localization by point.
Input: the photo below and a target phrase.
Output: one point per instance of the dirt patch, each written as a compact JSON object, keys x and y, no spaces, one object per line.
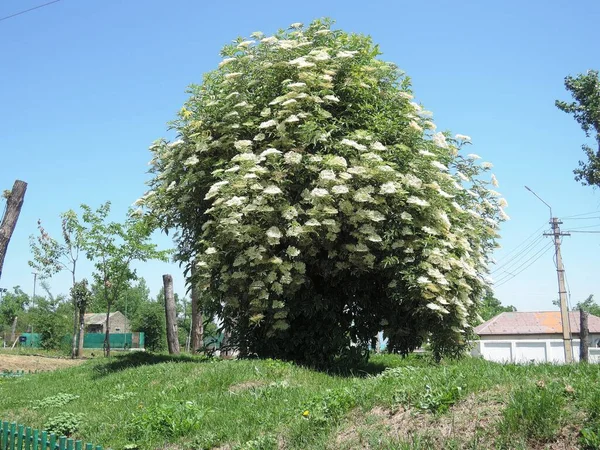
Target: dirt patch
{"x":34,"y":363}
{"x":246,"y":385}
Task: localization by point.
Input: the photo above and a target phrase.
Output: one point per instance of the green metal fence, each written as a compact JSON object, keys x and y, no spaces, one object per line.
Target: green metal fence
{"x":93,"y":340}
{"x":19,"y":437}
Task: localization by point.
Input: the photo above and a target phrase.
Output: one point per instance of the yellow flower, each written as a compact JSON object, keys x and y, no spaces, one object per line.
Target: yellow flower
{"x":306,"y":413}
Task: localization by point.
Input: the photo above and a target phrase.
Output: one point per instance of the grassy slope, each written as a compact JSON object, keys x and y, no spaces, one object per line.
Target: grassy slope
{"x":186,"y":402}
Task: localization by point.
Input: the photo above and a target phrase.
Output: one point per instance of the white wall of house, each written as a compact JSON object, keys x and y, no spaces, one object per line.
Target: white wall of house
{"x":530,"y":350}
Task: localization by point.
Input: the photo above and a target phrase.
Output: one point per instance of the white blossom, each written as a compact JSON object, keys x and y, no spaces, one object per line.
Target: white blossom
{"x":440,"y":140}
{"x":290,"y":213}
{"x":245,"y":157}
{"x":353,"y":144}
{"x":405,"y":95}
{"x":191,"y":161}
{"x":229,"y":76}
{"x":301,"y":63}
{"x":226,"y":61}
{"x":292,"y":251}
{"x":413,"y":181}
{"x":272,"y":190}
{"x":462,"y":137}
{"x":337,"y":161}
{"x":503,"y":203}
{"x":473,"y":156}
{"x":406,"y":216}
{"x":429,"y":230}
{"x":494,"y":181}
{"x":319,"y":55}
{"x":503,"y":215}
{"x":243,"y":144}
{"x":235,"y":201}
{"x":291,"y":101}
{"x":268,"y":124}
{"x":417,"y":201}
{"x":444,"y":193}
{"x":362,"y":197}
{"x":415,"y":125}
{"x":426,"y":153}
{"x":319,"y":192}
{"x":269,"y":40}
{"x":270,"y":151}
{"x":232,"y":169}
{"x":245,"y":44}
{"x":175,"y":143}
{"x":462,"y":176}
{"x":439,"y":165}
{"x":327,"y":175}
{"x":296,"y":25}
{"x":241,"y":104}
{"x":331,"y":98}
{"x":292,"y":118}
{"x":347,"y":53}
{"x":487,"y":165}
{"x":298,"y":84}
{"x":423,"y":280}
{"x":210,"y":251}
{"x":274,"y":233}
{"x":321,"y":32}
{"x":340,"y":189}
{"x":259,"y":137}
{"x":375,"y":216}
{"x":292,"y":157}
{"x":388,"y":188}
{"x":214,"y":189}
{"x":374,"y":238}
{"x":312,"y":223}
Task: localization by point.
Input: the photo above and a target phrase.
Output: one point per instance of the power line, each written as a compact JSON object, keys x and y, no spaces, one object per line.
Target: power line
{"x":580,"y":215}
{"x":27,"y":10}
{"x":588,"y":226}
{"x":591,"y":231}
{"x":521,"y":244}
{"x":527,"y":250}
{"x":525,"y":265}
{"x":581,"y":218}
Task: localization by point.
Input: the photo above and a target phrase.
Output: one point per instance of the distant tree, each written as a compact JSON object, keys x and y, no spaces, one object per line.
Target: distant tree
{"x":585,"y":89}
{"x":81,"y":296}
{"x":112,"y":247}
{"x":12,"y":305}
{"x":491,"y":306}
{"x":588,"y":305}
{"x":51,"y":256}
{"x":150,"y":320}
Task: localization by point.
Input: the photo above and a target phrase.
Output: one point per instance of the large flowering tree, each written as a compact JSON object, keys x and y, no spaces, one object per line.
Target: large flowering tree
{"x":320,"y":205}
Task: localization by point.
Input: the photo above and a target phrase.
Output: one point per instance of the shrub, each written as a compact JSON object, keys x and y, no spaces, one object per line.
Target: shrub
{"x":64,"y":424}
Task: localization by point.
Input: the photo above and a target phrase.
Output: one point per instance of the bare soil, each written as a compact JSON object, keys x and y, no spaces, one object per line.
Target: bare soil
{"x":34,"y":363}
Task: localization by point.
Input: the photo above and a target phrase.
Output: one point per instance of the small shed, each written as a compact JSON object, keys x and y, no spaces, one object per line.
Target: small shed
{"x":96,"y":323}
{"x":533,"y":337}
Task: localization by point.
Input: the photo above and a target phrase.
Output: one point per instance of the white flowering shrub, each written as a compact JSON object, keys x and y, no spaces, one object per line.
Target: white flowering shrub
{"x":320,"y":204}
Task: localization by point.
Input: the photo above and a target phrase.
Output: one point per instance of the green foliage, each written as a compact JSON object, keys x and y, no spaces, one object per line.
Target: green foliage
{"x":491,"y":306}
{"x":64,"y":424}
{"x":55,"y":401}
{"x":585,"y":89}
{"x":12,"y":304}
{"x":151,"y":320}
{"x":171,"y":420}
{"x":589,"y":305}
{"x":318,"y":203}
{"x":535,"y":412}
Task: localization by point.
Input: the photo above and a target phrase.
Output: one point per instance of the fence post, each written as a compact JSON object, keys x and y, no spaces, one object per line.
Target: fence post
{"x":584,"y":335}
{"x":62,"y":441}
{"x":28,"y":438}
{"x":36,"y":439}
{"x":44,"y":440}
{"x":20,"y":437}
{"x":4,"y":435}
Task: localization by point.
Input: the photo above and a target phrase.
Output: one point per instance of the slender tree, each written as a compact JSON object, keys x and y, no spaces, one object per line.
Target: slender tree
{"x":51,"y":256}
{"x":14,"y":203}
{"x":112,"y":247}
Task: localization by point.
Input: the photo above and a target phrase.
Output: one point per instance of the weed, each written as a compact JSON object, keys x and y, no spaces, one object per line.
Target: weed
{"x":168,"y":420}
{"x":64,"y":424}
{"x":535,"y":412}
{"x":54,"y":401}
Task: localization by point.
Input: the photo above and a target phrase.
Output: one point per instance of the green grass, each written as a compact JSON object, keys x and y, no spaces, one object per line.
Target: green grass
{"x":152,"y":401}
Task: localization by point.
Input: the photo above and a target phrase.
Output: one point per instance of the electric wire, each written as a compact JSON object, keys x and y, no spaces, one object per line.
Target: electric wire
{"x":524,"y":266}
{"x":519,"y":256}
{"x":518,"y":247}
{"x":27,"y":10}
{"x":580,"y":215}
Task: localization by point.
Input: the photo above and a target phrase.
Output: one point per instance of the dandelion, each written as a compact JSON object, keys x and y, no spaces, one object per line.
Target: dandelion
{"x":462,"y":137}
{"x":306,"y":413}
{"x":268,"y":124}
{"x":272,"y":190}
{"x":243,"y":144}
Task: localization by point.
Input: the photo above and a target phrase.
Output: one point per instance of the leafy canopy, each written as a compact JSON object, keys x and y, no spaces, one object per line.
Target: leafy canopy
{"x":319,"y":203}
{"x":585,"y":89}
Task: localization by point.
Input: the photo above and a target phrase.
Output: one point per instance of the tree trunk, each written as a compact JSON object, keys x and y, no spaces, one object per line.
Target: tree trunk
{"x":81,"y":331}
{"x":172,"y":335}
{"x":584,"y":335}
{"x":13,"y":330}
{"x":197,"y":323}
{"x":14,"y":203}
{"x":74,"y":348}
{"x":107,"y":333}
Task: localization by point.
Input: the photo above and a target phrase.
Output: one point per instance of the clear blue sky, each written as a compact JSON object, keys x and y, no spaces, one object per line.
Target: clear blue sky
{"x":86,"y":86}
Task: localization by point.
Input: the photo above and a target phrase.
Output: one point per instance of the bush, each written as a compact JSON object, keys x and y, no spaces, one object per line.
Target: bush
{"x":150,"y":319}
{"x":63,"y":424}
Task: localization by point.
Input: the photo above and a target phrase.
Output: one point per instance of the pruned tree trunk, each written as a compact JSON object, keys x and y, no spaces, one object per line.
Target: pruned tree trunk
{"x":81,"y":331}
{"x":584,"y":336}
{"x":107,"y":333}
{"x":171,"y":315}
{"x":74,"y":348}
{"x":14,"y":203}
{"x":197,"y":330}
{"x":14,"y":328}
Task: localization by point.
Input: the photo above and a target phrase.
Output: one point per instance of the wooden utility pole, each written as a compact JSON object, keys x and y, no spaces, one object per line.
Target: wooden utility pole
{"x":584,"y":336}
{"x":14,"y":203}
{"x":197,"y":330}
{"x":562,"y":292}
{"x":172,"y":334}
